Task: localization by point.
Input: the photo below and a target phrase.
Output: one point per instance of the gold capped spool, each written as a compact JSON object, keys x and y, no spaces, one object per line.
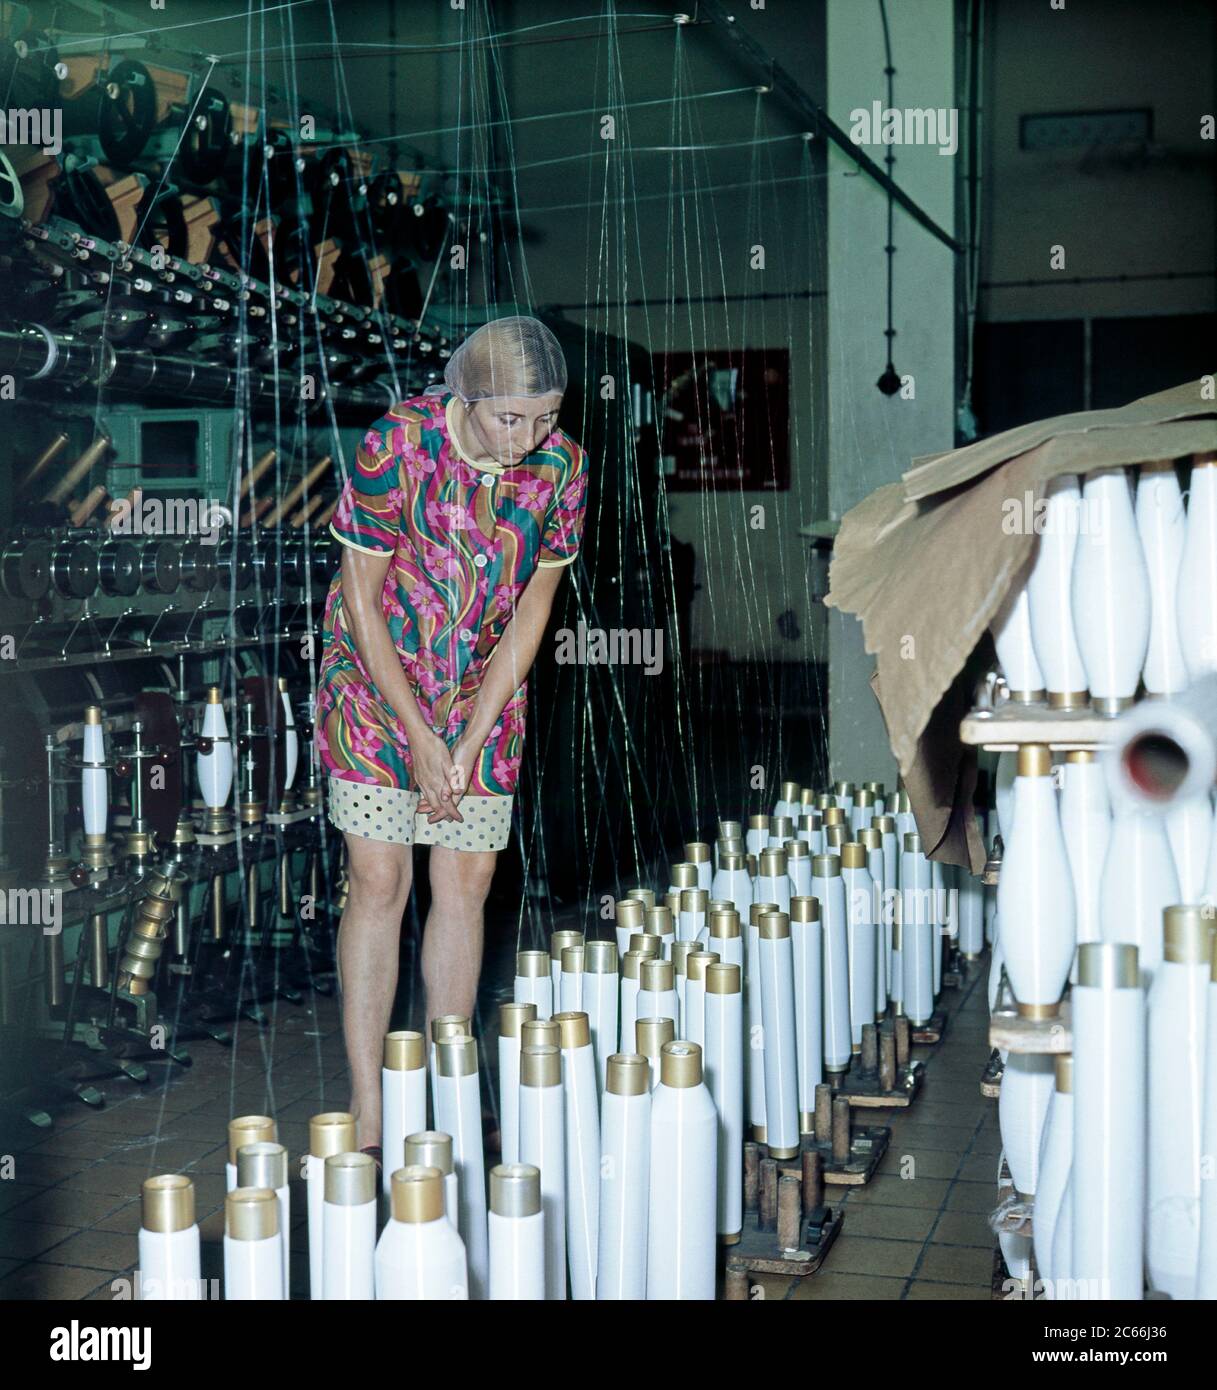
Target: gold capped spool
{"x":1081,"y":755}
{"x":871,"y":838}
{"x":804,"y":909}
{"x":912,"y":842}
{"x":646,"y":896}
{"x":572,"y":960}
{"x":853,"y":855}
{"x":429,"y":1148}
{"x":448,"y":1026}
{"x":405,"y":1051}
{"x":680,"y":955}
{"x":574,"y":1029}
{"x":683,"y":875}
{"x":790,"y":791}
{"x":781,"y":826}
{"x":350,"y":1179}
{"x":756,"y":909}
{"x":214,"y":697}
{"x":729,"y":859}
{"x":775,"y":926}
{"x":262,"y":1165}
{"x":843,"y":788}
{"x":835,"y":836}
{"x":1187,"y":935}
{"x":1108,"y":965}
{"x":672,"y":902}
{"x":532,"y":965}
{"x":723,"y":978}
{"x":539,"y":1032}
{"x":560,"y":940}
{"x":826,"y":865}
{"x":1034,"y":760}
{"x":631,"y":964}
{"x":886,"y":825}
{"x":167,"y":1203}
{"x":249,"y":1129}
{"x":456,"y":1055}
{"x":864,"y":797}
{"x":600,"y":957}
{"x":416,"y":1195}
{"x":332,"y":1132}
{"x":652,"y":1034}
{"x":833,"y":815}
{"x":696,"y":899}
{"x":646,"y":943}
{"x":627,"y":1074}
{"x":721,"y":905}
{"x":657,"y":975}
{"x":698,"y":962}
{"x":680,"y":1064}
{"x":730,"y":830}
{"x":251,"y":1213}
{"x":540,"y":1066}
{"x":724,"y":924}
{"x":875,"y":789}
{"x":659,"y":921}
{"x":772,"y":863}
{"x":512,"y":1018}
{"x":515,"y":1190}
{"x":630,"y":914}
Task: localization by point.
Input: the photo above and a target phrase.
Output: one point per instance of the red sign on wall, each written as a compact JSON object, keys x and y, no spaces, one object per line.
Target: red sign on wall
{"x":724,"y":419}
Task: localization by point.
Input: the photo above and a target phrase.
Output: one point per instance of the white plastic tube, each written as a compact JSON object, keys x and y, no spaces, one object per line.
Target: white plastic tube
{"x":862,"y":939}
{"x":543,"y":1145}
{"x":517,"y":1234}
{"x":458,"y":1109}
{"x":170,"y":1251}
{"x":916,"y":932}
{"x":807,"y":941}
{"x":512,"y":1018}
{"x":829,"y":887}
{"x":533,"y":983}
{"x":601,"y":988}
{"x":625,"y":1167}
{"x":724,"y":1076}
{"x":1055,"y":1161}
{"x":350,"y":1227}
{"x":420,"y":1255}
{"x":777,"y":1019}
{"x":253,"y":1252}
{"x":1109,"y":1122}
{"x":403,"y":1091}
{"x":581,"y":1126}
{"x":1206,"y":1269}
{"x":1162,"y":527}
{"x":330,"y":1133}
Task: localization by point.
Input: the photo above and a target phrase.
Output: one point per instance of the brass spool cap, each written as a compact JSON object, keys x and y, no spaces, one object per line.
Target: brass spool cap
{"x":875,"y":789}
{"x":655,"y":976}
{"x":804,"y":909}
{"x":775,"y":926}
{"x":772,"y":863}
{"x":572,"y":960}
{"x":698,"y":962}
{"x":680,"y":1064}
{"x":429,"y":1148}
{"x":811,"y":821}
{"x":724,"y":924}
{"x":733,"y":844}
{"x":864,"y":797}
{"x":350,"y":1180}
{"x":758,"y":822}
{"x":1187,"y":935}
{"x":167,"y":1203}
{"x":729,"y":829}
{"x":532,"y":965}
{"x":213,"y":695}
{"x":790,"y":791}
{"x":262,"y":1165}
{"x":456,"y":1055}
{"x":912,"y":842}
{"x":853,"y":855}
{"x":836,"y":835}
{"x":251,"y":1213}
{"x":630,"y":914}
{"x":512,"y":1018}
{"x":416,"y":1195}
{"x":697,"y":852}
{"x":448,"y":1026}
{"x":627,"y":1074}
{"x":755,"y":910}
{"x":781,"y":826}
{"x":1064,"y":1072}
{"x":652,"y":1034}
{"x":515,"y":1190}
{"x":885,"y":824}
{"x":646,"y":896}
{"x":1081,"y":755}
{"x":672,"y":902}
{"x":730,"y":860}
{"x":1034,"y":760}
{"x":631,"y":964}
{"x":332,"y":1132}
{"x":796,"y":849}
{"x":646,"y":943}
{"x":659,"y":921}
{"x":696,"y":899}
{"x":843,"y":788}
{"x":560,"y":940}
{"x":600,"y":957}
{"x":1108,"y":965}
{"x":680,"y":955}
{"x":405,"y":1051}
{"x":540,"y":1066}
{"x":539,"y":1032}
{"x":574,"y":1029}
{"x":825,"y":801}
{"x":249,"y":1129}
{"x":871,"y":838}
{"x":833,"y":815}
{"x":683,"y":875}
{"x":826,"y":865}
{"x":722,"y":978}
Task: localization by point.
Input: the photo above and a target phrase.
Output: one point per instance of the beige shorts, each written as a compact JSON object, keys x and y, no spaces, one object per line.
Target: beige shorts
{"x":391,"y":815}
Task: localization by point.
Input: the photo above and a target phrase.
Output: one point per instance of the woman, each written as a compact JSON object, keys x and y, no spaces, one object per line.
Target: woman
{"x":464,"y":508}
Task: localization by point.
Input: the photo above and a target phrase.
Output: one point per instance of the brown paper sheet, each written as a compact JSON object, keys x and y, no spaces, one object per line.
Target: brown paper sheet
{"x":926,"y":562}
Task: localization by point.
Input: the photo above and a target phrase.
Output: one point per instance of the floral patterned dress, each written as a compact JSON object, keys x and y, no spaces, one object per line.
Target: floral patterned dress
{"x":465,"y":540}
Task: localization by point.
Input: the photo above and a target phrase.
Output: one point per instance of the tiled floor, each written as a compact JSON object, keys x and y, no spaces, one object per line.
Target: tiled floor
{"x":69,"y":1204}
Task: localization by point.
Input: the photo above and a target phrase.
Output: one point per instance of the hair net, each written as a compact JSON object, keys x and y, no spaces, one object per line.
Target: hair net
{"x":507,"y":357}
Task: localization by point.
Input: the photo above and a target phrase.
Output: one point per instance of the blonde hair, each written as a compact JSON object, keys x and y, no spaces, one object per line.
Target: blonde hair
{"x":512,"y":356}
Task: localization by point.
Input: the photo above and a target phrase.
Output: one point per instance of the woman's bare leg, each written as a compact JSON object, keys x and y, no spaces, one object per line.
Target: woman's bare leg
{"x":368,"y":943}
{"x":452,"y":938}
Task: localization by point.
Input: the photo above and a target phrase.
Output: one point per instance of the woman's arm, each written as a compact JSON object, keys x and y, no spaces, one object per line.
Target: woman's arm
{"x":363,"y":579}
{"x":518,"y":647}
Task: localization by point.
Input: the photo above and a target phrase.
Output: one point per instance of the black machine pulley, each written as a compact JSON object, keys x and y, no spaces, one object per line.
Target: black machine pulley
{"x":207,"y":137}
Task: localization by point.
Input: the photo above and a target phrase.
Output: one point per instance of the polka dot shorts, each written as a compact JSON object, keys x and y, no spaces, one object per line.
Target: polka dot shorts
{"x":391,"y":814}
